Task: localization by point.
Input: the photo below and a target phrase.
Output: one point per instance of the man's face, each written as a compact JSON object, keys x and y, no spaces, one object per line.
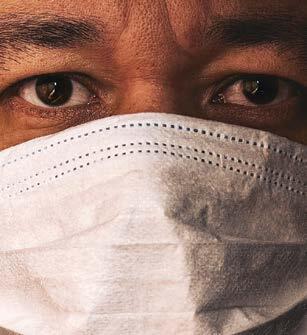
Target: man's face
{"x":63,"y":63}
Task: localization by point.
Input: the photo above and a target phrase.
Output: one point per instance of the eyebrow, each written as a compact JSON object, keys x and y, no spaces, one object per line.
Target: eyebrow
{"x":20,"y":31}
{"x":284,"y":31}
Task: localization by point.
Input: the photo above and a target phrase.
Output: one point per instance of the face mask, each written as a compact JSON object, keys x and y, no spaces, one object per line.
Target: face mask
{"x":154,"y":224}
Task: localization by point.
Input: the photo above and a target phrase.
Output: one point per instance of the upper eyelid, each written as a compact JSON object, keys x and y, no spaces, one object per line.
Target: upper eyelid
{"x":71,"y":75}
{"x":211,"y":85}
{"x":15,"y":86}
{"x":230,"y":80}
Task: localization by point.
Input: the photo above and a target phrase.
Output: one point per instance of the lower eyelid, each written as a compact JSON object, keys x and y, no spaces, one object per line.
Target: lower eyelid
{"x":262,"y":117}
{"x":41,"y":117}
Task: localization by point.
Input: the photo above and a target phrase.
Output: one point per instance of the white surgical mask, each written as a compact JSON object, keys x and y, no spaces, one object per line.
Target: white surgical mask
{"x":153,"y":224}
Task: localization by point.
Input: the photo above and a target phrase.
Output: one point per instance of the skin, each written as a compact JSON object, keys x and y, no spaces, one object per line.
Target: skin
{"x":152,"y":56}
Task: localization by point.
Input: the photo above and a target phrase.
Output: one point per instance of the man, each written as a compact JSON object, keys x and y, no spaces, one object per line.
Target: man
{"x":243,"y":63}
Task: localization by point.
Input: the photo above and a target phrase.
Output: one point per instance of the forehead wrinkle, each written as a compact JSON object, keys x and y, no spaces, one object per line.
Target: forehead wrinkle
{"x":89,"y":32}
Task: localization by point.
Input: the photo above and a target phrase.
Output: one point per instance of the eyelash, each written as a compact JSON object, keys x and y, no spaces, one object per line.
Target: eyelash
{"x":87,"y":81}
{"x":216,"y":86}
{"x":230,"y":80}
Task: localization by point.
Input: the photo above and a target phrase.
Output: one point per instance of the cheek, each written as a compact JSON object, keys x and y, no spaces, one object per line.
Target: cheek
{"x":19,"y":122}
{"x":17,"y":126}
{"x":296,"y":133}
{"x":13,"y":137}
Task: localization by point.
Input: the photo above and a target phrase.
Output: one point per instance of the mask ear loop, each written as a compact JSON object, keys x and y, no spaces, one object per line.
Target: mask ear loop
{"x":286,"y":324}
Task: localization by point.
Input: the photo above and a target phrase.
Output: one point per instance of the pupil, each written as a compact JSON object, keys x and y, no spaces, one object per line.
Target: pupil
{"x":261,"y":90}
{"x":54,"y":90}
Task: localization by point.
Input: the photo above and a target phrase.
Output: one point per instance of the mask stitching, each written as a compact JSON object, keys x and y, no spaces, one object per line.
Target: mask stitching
{"x":165,"y":152}
{"x":272,"y":172}
{"x":218,"y":136}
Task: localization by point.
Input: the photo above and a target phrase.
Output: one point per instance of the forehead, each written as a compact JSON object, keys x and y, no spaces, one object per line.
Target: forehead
{"x":179,"y":12}
{"x":167,"y":31}
{"x":181,"y":22}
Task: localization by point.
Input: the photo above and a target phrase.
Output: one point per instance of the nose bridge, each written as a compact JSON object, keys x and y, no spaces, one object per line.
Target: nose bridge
{"x":149,"y":60}
{"x":149,"y":95}
{"x":147,"y":45}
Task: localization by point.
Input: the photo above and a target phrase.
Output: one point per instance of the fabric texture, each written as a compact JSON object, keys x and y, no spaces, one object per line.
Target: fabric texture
{"x":154,"y":224}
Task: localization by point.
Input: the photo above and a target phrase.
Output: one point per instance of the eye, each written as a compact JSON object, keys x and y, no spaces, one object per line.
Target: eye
{"x":256,"y":90}
{"x":54,"y":91}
